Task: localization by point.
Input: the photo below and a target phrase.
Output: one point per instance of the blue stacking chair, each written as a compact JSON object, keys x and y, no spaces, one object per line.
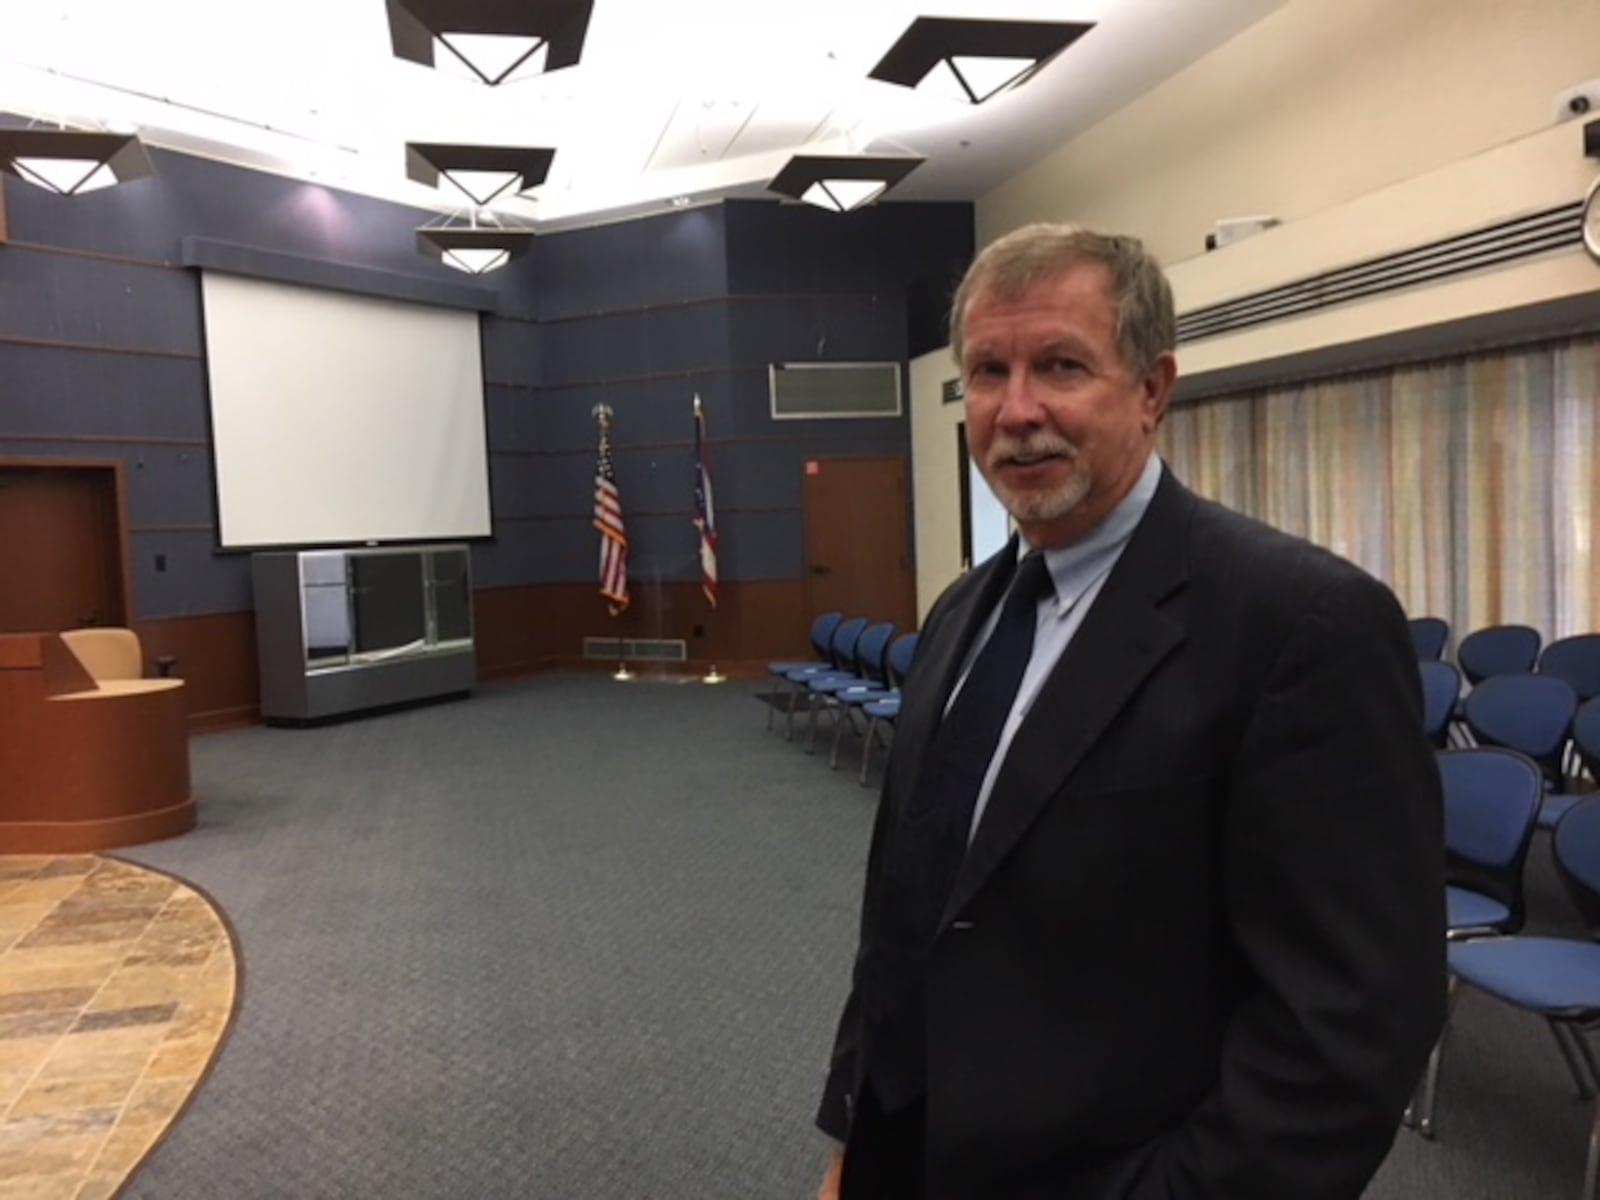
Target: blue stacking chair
{"x":1586,"y":737}
{"x":870,"y":671}
{"x":1557,"y":979}
{"x":841,"y":661}
{"x":1530,"y":713}
{"x":856,"y":697}
{"x":881,"y":711}
{"x":1577,"y":660}
{"x":1429,"y":635}
{"x":1441,"y":688}
{"x":1498,"y":650}
{"x":1491,"y":807}
{"x":821,"y":641}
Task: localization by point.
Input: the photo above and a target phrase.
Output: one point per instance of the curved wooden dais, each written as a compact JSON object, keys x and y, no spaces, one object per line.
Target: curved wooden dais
{"x":86,"y":766}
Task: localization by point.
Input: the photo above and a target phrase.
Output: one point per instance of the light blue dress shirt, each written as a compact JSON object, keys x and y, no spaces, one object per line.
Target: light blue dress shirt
{"x":1078,"y":572}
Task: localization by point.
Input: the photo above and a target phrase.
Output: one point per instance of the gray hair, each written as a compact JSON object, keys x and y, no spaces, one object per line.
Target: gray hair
{"x":1009,"y":266}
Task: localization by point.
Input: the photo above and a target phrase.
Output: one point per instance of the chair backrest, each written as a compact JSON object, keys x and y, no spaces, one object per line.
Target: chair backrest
{"x":1429,"y":634}
{"x":107,"y":653}
{"x":822,"y":632}
{"x":1530,"y":713}
{"x":843,"y":644}
{"x":1491,"y":806}
{"x":1586,"y":736}
{"x":1498,"y":650}
{"x":1441,"y":688}
{"x":872,"y":649}
{"x":901,"y":655}
{"x":1577,"y":660}
{"x":1576,"y":847}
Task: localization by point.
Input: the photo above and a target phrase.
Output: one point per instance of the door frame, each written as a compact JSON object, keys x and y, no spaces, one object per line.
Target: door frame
{"x":119,"y":478}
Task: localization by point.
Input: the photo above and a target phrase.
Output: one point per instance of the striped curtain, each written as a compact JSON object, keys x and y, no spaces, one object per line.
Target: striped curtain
{"x":1467,"y":485}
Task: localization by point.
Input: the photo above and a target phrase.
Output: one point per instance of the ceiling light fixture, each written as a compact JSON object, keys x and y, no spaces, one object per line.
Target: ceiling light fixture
{"x":841,"y":184}
{"x":481,"y":173}
{"x":973,"y":60}
{"x":69,"y":161}
{"x":474,"y":248}
{"x":498,"y":41}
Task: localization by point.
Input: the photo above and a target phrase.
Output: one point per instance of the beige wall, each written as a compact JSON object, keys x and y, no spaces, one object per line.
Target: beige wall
{"x":1364,"y":125}
{"x":935,"y":477}
{"x":1318,"y":103}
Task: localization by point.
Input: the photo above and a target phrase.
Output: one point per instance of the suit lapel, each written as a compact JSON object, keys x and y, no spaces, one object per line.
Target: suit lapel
{"x":938,"y":671}
{"x":1124,"y":637}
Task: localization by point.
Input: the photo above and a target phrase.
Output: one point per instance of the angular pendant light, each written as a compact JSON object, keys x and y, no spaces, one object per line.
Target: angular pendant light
{"x":473,"y":248}
{"x":973,"y":60}
{"x":841,"y":183}
{"x":497,"y":41}
{"x":481,"y":173}
{"x":69,"y":161}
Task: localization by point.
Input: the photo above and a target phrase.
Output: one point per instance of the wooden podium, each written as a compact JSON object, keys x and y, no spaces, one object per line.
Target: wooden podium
{"x":85,"y":766}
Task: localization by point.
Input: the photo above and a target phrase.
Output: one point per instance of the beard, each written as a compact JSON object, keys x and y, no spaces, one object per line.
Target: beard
{"x":1036,"y":504}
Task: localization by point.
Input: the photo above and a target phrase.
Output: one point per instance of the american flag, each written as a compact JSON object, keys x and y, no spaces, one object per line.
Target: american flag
{"x":704,"y":517}
{"x":608,"y":520}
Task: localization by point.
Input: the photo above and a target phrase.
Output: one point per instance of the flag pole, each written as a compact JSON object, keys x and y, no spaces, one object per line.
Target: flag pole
{"x":705,"y":523}
{"x":602,"y":413}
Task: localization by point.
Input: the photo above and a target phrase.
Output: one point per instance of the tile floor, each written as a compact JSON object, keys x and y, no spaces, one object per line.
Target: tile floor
{"x":117,"y":984}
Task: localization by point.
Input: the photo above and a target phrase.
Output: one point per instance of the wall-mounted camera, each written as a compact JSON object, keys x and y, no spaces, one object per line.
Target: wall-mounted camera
{"x":1579,"y":100}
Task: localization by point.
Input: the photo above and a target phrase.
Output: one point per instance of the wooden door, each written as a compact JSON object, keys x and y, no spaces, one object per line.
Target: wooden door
{"x":858,"y":539}
{"x":60,"y":549}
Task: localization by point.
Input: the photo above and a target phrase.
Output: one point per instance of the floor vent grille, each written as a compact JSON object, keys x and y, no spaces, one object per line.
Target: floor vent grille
{"x":604,"y":649}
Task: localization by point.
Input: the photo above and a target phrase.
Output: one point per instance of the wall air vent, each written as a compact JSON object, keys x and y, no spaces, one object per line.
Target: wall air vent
{"x":1555,"y":228}
{"x":813,"y":391}
{"x":610,"y":649}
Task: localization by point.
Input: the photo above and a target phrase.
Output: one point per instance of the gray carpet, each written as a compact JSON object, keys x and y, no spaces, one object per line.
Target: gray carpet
{"x":577,"y":940}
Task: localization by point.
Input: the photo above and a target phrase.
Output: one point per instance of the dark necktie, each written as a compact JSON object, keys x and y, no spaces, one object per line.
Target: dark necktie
{"x":929,"y":839}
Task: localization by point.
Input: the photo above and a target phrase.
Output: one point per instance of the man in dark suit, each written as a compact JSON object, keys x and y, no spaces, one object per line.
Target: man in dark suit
{"x":1154,"y":905}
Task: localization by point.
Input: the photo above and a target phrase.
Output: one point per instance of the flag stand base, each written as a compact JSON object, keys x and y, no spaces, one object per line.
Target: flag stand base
{"x":622,"y":672}
{"x":714,"y":676}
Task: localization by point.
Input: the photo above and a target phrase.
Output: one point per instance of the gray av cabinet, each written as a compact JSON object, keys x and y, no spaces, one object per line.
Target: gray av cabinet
{"x":343,"y":631}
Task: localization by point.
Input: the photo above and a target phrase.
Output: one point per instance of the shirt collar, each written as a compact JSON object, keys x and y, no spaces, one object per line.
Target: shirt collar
{"x":1074,"y":568}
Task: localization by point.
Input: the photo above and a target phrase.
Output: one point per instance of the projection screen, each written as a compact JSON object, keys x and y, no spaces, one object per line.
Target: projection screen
{"x":339,"y":419}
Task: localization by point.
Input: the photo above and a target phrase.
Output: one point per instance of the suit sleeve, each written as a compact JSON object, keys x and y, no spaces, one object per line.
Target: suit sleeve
{"x":1334,"y":893}
{"x":833,"y":1113}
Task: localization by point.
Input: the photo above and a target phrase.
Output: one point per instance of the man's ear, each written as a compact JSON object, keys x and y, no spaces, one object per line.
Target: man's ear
{"x":1157,"y":389}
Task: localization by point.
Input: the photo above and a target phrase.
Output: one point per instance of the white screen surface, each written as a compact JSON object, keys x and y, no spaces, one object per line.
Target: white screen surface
{"x":339,"y":419}
{"x":986,"y":516}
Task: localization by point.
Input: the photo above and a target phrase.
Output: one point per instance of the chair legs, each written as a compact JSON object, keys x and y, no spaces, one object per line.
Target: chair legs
{"x":841,"y":718}
{"x":1419,"y":1113}
{"x":1591,"y":1164}
{"x":1577,"y":1055}
{"x":794,"y":701}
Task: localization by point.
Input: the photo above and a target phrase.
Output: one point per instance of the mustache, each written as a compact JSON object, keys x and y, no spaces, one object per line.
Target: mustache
{"x":1004,"y":448}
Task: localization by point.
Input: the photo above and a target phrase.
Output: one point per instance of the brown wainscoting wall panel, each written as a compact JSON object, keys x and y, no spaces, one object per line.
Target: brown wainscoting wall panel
{"x":534,"y":627}
{"x":216,"y":659}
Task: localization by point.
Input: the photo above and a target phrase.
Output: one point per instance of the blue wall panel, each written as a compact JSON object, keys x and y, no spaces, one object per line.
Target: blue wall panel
{"x":198,"y":578}
{"x":51,"y":391}
{"x":63,"y":298}
{"x":641,"y":316}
